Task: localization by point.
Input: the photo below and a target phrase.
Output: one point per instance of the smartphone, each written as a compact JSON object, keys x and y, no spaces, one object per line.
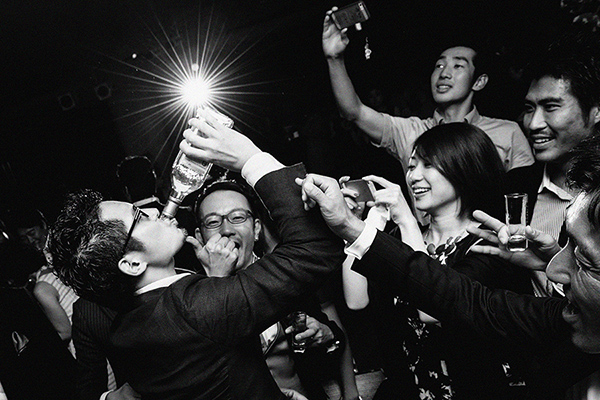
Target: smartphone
{"x":350,"y":15}
{"x":365,"y":189}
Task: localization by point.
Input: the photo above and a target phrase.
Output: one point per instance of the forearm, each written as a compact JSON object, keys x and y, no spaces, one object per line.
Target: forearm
{"x":345,"y":95}
{"x":355,"y":286}
{"x":411,"y":234}
{"x":453,"y":297}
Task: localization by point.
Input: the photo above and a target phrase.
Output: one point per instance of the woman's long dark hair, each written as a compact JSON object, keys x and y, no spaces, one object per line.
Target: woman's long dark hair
{"x":468,"y":158}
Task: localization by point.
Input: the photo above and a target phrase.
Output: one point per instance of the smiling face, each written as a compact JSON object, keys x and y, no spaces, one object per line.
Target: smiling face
{"x":222,"y":202}
{"x":554,"y":120}
{"x":34,"y":236}
{"x":453,"y":78}
{"x":160,"y":239}
{"x":431,"y":190}
{"x":577,"y":267}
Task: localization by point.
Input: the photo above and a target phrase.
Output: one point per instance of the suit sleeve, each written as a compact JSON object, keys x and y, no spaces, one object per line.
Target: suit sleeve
{"x":246,"y":304}
{"x":453,"y":297}
{"x":91,"y":360}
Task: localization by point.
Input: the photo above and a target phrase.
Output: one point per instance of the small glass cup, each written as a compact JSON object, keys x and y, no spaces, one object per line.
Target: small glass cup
{"x":516,"y":214}
{"x":299,"y":325}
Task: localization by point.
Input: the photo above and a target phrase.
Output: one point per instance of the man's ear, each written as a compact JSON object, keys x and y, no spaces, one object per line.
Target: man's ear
{"x":480,"y":83}
{"x":595,"y":114}
{"x":257,"y":229}
{"x":132,"y":267}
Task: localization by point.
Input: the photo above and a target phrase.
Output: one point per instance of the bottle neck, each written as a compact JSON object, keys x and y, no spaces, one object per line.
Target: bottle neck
{"x":170,"y":208}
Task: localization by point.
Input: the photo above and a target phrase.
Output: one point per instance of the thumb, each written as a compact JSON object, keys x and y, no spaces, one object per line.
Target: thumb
{"x":194,"y":242}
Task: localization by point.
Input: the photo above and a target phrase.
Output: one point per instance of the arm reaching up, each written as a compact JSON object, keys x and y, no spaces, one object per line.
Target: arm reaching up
{"x":349,"y":104}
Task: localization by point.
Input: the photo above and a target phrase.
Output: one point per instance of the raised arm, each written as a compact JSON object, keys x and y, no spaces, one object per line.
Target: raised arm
{"x":349,"y":104}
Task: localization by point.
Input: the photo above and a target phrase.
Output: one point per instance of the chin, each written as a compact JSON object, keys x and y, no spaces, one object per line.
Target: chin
{"x":587,"y":342}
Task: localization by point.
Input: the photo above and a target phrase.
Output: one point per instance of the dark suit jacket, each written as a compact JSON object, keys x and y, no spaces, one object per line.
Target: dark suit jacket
{"x":199,"y":337}
{"x":528,"y":324}
{"x":91,"y":335}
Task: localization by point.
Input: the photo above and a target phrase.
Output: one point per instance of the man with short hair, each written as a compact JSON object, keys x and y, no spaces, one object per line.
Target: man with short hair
{"x":184,"y":336}
{"x":456,"y":78}
{"x":228,"y":216}
{"x":528,"y":324}
{"x":562,"y":107}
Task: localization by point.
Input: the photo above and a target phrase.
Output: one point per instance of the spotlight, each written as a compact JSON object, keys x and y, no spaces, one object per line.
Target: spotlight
{"x":103,"y":91}
{"x":66,"y":101}
{"x":195,"y":91}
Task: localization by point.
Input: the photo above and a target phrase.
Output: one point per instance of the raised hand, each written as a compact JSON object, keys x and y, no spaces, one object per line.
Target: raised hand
{"x":542,"y":247}
{"x":218,"y":256}
{"x":335,"y":41}
{"x":350,"y":195}
{"x":325,"y":192}
{"x":216,"y":143}
{"x":391,"y":196}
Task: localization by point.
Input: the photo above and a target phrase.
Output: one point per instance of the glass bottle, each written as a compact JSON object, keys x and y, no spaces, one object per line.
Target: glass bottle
{"x":189,"y":175}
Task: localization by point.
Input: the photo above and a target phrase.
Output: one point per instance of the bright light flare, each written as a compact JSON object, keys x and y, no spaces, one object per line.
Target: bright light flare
{"x":195,"y":91}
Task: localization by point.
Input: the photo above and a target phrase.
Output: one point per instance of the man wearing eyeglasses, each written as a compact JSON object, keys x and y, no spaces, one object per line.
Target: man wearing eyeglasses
{"x":186,"y":336}
{"x":227,"y":212}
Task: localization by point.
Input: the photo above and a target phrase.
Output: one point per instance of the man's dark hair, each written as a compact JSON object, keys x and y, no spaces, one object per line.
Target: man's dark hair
{"x":574,"y":59}
{"x":233,"y":183}
{"x":584,"y":174}
{"x":23,"y":216}
{"x":86,"y":251}
{"x":467,"y":157}
{"x":482,"y":61}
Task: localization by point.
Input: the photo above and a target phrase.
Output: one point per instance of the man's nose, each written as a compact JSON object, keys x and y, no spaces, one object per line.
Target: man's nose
{"x":535,"y":121}
{"x":153,"y":213}
{"x":226,"y":228}
{"x":445,"y":72}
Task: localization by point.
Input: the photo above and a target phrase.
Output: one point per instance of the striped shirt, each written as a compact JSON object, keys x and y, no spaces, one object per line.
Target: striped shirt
{"x":66,"y":295}
{"x":548,"y":216}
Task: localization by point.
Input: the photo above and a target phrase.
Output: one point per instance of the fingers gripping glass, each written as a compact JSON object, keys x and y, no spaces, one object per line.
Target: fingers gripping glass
{"x":236,"y":217}
{"x":137,"y":215}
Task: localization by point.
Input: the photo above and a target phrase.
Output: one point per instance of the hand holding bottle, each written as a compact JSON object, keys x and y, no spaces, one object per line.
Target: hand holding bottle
{"x":216,"y":143}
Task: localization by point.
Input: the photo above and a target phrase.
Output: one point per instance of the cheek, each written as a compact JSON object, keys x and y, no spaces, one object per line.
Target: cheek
{"x":586,"y":289}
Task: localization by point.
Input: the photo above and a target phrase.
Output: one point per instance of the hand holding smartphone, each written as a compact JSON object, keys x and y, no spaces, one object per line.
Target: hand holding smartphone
{"x":365,"y":189}
{"x":350,"y":15}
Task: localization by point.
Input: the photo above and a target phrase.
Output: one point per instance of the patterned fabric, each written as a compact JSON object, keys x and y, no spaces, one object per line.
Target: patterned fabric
{"x":66,"y":295}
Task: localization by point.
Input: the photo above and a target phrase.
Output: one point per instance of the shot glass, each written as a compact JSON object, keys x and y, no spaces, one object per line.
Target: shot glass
{"x":299,"y":324}
{"x":516,"y":214}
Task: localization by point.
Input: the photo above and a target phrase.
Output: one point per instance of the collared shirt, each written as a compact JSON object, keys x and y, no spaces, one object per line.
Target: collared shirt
{"x":399,"y":135}
{"x":548,"y":216}
{"x":161,"y":283}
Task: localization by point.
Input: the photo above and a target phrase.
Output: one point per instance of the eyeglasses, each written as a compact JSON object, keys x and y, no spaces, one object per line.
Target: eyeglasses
{"x":236,"y":217}
{"x":137,"y":215}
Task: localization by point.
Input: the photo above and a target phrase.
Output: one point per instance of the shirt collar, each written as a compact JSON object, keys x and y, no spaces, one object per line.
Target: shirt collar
{"x":472,"y":117}
{"x":559,"y":192}
{"x":148,"y":200}
{"x":161,"y":283}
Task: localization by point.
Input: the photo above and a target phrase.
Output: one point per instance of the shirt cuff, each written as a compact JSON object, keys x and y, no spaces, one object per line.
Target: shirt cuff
{"x":105,"y":395}
{"x":258,"y":166}
{"x":363,"y":242}
{"x":378,"y":217}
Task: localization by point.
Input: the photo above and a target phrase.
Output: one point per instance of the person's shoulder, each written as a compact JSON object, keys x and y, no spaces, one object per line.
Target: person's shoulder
{"x":498,"y":123}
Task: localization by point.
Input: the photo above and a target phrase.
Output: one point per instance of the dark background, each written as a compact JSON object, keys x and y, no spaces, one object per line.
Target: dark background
{"x":83,"y":49}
